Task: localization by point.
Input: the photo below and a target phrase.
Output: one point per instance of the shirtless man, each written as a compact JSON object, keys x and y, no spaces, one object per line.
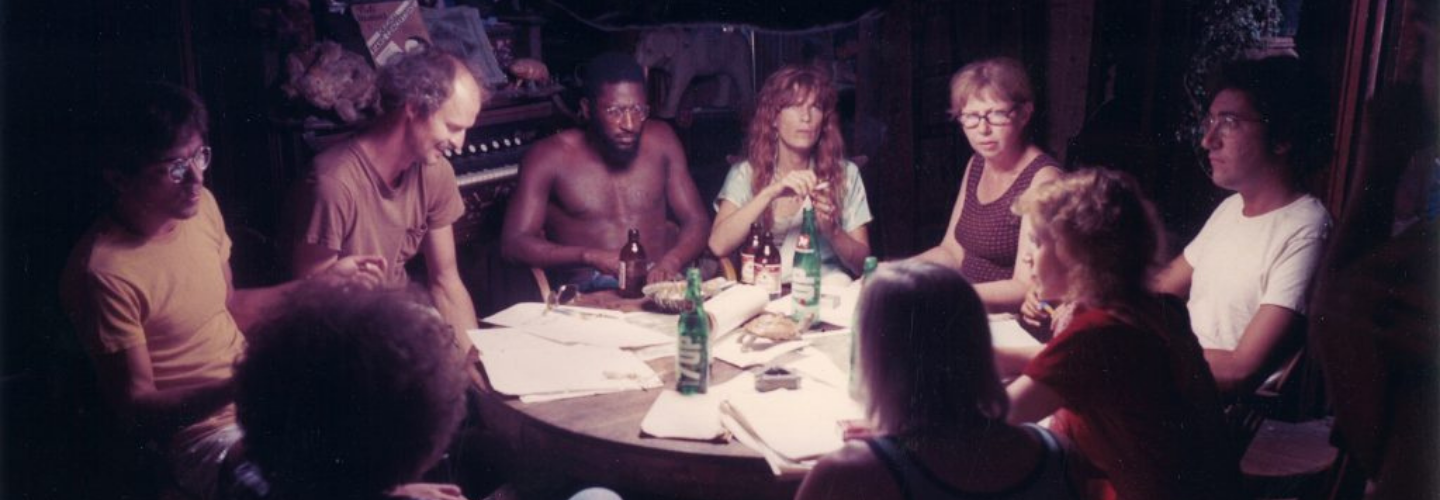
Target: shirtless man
{"x":581,"y":190}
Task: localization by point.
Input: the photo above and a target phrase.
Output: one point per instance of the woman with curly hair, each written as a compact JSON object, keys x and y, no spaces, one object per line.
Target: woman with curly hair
{"x":794,"y":150}
{"x":1125,"y":378}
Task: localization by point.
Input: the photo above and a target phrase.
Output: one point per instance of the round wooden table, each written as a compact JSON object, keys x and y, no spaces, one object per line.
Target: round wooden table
{"x":596,"y":440}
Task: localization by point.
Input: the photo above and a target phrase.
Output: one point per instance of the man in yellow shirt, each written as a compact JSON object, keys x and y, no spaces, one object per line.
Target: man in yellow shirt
{"x":149,"y":290}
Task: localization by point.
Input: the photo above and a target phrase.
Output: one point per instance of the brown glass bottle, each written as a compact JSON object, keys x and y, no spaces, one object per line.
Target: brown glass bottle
{"x":747,"y":255}
{"x":632,"y":267}
{"x":767,"y":265}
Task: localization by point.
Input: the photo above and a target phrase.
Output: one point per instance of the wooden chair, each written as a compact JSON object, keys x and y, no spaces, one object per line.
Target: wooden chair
{"x":1288,"y":453}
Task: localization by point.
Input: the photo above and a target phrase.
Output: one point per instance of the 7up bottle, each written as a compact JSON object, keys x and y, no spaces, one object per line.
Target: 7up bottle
{"x":805,"y":270}
{"x":857,"y":381}
{"x":692,"y":356}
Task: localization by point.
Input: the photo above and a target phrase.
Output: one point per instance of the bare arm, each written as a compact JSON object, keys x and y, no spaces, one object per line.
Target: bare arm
{"x":127,"y":379}
{"x":248,"y":306}
{"x":850,"y":472}
{"x":1175,"y":278}
{"x":684,"y":201}
{"x":1010,"y":361}
{"x":851,"y":247}
{"x":1007,"y":295}
{"x":523,"y":238}
{"x":732,"y":222}
{"x":949,"y":253}
{"x":1031,"y":401}
{"x":1240,"y":371}
{"x":446,"y":290}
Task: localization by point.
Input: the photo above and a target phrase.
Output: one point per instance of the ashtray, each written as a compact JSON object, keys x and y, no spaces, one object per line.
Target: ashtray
{"x":776,"y":377}
{"x":669,"y":296}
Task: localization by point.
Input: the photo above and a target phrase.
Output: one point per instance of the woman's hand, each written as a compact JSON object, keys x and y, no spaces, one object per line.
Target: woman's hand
{"x":799,"y":182}
{"x":827,"y":215}
{"x":1034,"y":312}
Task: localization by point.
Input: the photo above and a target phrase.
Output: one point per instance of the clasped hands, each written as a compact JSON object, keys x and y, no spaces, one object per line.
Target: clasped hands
{"x":804,"y":183}
{"x":362,"y":271}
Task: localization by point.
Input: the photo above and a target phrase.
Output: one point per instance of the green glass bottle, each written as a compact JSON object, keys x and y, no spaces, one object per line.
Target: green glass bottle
{"x":857,"y":382}
{"x":692,"y":355}
{"x":805,"y":270}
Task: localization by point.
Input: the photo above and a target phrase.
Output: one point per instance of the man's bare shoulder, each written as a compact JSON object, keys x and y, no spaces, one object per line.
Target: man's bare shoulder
{"x":660,"y":133}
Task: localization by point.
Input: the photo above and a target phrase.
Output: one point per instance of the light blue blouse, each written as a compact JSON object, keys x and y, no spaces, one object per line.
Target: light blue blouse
{"x":854,"y":213}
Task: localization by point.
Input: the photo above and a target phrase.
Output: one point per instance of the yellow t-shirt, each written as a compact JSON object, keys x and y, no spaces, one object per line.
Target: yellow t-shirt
{"x":166,"y":295}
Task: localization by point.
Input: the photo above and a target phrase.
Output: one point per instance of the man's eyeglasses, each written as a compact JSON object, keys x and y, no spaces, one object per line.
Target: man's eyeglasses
{"x":995,"y":118}
{"x":177,"y":168}
{"x":1223,"y":124}
{"x":617,"y":113}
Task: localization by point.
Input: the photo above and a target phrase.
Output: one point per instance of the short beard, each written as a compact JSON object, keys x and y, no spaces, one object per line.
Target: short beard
{"x":614,"y":157}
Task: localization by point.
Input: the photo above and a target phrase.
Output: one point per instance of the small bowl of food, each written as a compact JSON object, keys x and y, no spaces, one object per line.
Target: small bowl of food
{"x":669,"y":296}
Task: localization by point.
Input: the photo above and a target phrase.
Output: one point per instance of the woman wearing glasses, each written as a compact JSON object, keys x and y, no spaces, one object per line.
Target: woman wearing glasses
{"x":1247,"y":272}
{"x":993,"y":102}
{"x":795,"y":150}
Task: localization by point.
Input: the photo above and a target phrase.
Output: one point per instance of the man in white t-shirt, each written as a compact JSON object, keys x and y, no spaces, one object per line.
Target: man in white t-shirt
{"x":1248,"y":271}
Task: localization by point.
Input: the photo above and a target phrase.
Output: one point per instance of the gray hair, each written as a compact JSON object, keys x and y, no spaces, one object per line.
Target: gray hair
{"x":422,"y":79}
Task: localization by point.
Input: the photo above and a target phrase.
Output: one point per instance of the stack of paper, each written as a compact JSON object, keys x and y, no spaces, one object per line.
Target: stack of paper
{"x":519,"y":364}
{"x":798,"y":425}
{"x":576,"y":325}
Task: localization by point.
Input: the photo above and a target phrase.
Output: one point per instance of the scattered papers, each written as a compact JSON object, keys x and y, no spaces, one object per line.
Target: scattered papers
{"x":797,"y":425}
{"x":760,"y":352}
{"x":733,"y":307}
{"x":575,"y":325}
{"x":521,"y":366}
{"x":816,"y":366}
{"x":680,"y":416}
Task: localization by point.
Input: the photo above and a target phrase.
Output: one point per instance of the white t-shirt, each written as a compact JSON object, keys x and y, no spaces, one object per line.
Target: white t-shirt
{"x":1243,"y":262}
{"x":854,"y":214}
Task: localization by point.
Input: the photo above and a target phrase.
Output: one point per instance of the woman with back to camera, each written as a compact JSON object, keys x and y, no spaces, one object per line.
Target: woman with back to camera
{"x":794,"y":149}
{"x":937,"y":403}
{"x":1125,"y":378}
{"x":993,"y":102}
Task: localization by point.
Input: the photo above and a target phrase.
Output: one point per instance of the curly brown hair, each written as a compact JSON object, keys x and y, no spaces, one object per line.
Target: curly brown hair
{"x":786,"y":87}
{"x":346,"y":393}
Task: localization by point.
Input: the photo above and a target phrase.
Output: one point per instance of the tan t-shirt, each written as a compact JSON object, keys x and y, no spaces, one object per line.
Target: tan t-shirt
{"x":345,"y":206}
{"x":166,"y":295}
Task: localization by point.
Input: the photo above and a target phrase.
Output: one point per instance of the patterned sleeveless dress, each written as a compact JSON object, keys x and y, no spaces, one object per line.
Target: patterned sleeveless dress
{"x":989,"y":232}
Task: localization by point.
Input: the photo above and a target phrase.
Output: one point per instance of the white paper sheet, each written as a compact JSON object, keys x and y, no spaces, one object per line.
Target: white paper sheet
{"x":566,"y":369}
{"x":797,"y":424}
{"x":574,"y":325}
{"x":760,"y":352}
{"x":680,"y":416}
{"x":733,"y":307}
{"x":1008,"y":333}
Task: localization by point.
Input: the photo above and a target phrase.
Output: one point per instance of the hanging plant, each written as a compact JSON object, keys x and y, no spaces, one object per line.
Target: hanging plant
{"x":1228,"y":29}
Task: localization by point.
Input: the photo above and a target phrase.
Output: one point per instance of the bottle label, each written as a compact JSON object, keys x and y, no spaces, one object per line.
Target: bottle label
{"x":747,"y":268}
{"x":693,"y":364}
{"x":632,"y":277}
{"x":802,"y":289}
{"x":767,"y":276}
